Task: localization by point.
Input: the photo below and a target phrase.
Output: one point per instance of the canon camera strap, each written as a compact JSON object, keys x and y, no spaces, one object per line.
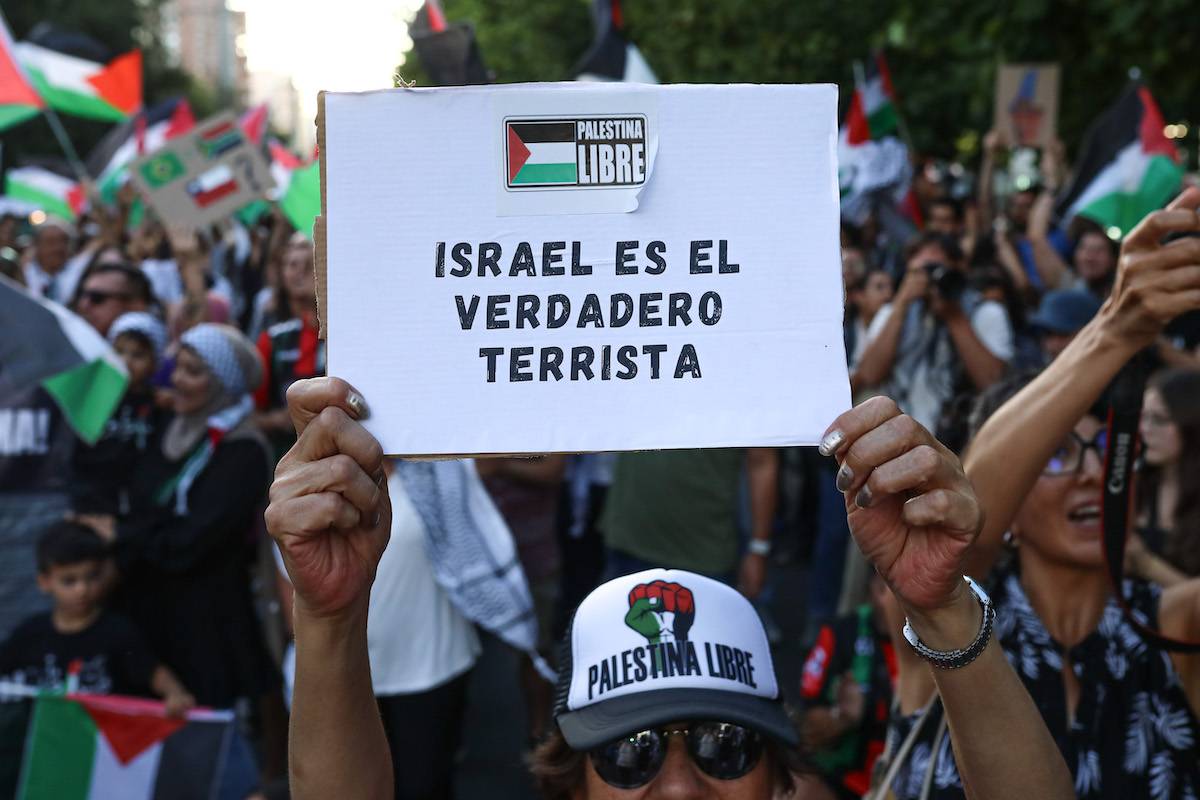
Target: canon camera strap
{"x":1125,"y":408}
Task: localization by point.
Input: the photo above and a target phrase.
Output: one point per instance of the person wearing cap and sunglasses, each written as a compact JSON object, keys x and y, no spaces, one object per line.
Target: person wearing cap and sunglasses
{"x":668,"y":688}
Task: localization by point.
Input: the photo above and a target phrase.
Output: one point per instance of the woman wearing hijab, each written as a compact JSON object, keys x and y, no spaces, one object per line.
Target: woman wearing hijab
{"x":183,"y":550}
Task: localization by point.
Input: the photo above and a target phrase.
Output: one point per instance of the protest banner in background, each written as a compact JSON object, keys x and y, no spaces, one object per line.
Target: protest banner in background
{"x":1027,"y":103}
{"x":204,"y":175}
{"x":586,"y":267}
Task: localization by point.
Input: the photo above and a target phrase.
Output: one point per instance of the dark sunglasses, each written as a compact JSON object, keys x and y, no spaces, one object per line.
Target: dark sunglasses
{"x":98,"y":298}
{"x":721,"y":750}
{"x":1068,"y":458}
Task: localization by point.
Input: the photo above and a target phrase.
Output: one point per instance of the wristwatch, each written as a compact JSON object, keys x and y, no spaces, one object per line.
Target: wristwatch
{"x":954,"y":659}
{"x":759,"y":547}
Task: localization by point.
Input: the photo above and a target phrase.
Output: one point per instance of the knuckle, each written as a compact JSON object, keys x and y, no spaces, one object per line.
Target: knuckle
{"x":330,"y":418}
{"x":342,"y":468}
{"x":272,"y":519}
{"x":927,"y":459}
{"x":939,"y":503}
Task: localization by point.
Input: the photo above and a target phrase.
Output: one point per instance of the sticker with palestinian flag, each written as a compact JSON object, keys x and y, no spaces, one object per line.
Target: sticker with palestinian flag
{"x":591,"y":152}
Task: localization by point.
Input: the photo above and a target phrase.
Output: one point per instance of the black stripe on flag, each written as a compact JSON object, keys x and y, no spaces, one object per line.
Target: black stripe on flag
{"x":1110,"y":133}
{"x":534,"y":132}
{"x":190,"y":765}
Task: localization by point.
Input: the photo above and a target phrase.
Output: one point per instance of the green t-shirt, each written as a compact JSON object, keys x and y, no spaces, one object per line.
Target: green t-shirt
{"x":676,"y":508}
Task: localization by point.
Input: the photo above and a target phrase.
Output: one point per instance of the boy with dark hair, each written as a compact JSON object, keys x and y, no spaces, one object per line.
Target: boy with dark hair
{"x":79,"y":646}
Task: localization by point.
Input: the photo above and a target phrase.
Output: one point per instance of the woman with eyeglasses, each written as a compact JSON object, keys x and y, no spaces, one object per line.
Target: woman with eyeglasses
{"x":1123,"y":713}
{"x":1170,"y":485}
{"x":667,"y":686}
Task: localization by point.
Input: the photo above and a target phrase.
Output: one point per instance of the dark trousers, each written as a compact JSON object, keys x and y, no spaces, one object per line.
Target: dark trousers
{"x":424,"y":731}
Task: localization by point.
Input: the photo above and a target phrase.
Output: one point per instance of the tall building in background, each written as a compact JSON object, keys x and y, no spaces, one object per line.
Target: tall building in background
{"x":205,"y":39}
{"x":283,"y":107}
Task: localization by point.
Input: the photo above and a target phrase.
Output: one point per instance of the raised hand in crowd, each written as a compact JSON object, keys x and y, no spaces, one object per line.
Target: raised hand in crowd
{"x":331,"y":516}
{"x":915,"y":517}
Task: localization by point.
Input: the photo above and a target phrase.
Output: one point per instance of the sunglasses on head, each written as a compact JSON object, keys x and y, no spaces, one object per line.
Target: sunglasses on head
{"x":721,"y":750}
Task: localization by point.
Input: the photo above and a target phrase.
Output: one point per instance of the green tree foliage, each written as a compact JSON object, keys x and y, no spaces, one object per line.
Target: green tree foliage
{"x":120,"y":25}
{"x":943,"y":55}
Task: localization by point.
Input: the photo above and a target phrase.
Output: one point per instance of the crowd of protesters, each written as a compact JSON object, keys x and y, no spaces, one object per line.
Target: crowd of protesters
{"x":141,"y":564}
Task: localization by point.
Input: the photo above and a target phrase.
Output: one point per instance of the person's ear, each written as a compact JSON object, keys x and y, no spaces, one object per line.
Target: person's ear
{"x":43,"y":582}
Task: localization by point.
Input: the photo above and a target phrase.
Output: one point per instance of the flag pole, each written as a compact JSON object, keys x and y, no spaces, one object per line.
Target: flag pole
{"x":64,"y":142}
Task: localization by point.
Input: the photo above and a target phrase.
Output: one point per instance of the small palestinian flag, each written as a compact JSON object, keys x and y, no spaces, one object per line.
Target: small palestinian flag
{"x":541,"y":154}
{"x":219,"y":139}
{"x":612,"y":57}
{"x":162,"y":169}
{"x":872,"y":161}
{"x":42,"y":189}
{"x":94,"y":747}
{"x":141,"y":134}
{"x":42,"y":342}
{"x":18,"y":99}
{"x":1128,"y":167}
{"x":449,"y":53}
{"x":73,"y":85}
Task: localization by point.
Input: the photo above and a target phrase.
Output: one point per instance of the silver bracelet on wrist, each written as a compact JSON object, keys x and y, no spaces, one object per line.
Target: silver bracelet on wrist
{"x":954,"y":659}
{"x":759,"y":547}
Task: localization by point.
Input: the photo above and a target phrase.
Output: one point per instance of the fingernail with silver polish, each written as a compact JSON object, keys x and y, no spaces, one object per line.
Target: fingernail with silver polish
{"x":845,"y":477}
{"x":829,"y":444}
{"x":358,"y":404}
{"x":863,"y":499}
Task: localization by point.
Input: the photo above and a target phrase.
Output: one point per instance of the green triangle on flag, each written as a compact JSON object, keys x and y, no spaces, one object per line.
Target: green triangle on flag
{"x":301,"y":203}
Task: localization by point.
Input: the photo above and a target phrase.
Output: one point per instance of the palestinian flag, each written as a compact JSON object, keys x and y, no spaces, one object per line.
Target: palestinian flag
{"x":18,"y":99}
{"x":109,"y":161}
{"x":541,"y":154}
{"x":1128,"y":167}
{"x":74,"y":85}
{"x":253,"y":123}
{"x":88,"y":747}
{"x":42,"y":342}
{"x":612,"y":57}
{"x":449,"y":54}
{"x":301,"y":200}
{"x":872,"y":161}
{"x":48,"y":191}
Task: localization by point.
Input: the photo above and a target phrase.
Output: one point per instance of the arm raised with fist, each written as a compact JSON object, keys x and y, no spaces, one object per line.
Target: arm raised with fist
{"x":915,"y":517}
{"x":331,"y":516}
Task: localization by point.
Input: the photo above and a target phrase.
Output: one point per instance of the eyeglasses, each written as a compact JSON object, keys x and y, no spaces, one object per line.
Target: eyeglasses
{"x":97,"y":298}
{"x":721,"y":750}
{"x":1068,"y":458}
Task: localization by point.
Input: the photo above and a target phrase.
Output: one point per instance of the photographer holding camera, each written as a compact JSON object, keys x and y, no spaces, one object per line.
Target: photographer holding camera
{"x":937,"y":338}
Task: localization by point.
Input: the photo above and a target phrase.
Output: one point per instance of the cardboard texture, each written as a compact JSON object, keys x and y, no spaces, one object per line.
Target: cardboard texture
{"x":203,"y":176}
{"x":1026,"y":107}
{"x":710,"y":316}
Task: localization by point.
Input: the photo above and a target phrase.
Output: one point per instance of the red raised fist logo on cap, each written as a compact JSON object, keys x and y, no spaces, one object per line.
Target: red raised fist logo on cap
{"x":661,"y":611}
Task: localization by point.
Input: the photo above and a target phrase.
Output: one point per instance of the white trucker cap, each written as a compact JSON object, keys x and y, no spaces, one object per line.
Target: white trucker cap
{"x":662,"y":646}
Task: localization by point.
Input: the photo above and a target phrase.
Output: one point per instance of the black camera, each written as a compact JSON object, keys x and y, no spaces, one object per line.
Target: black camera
{"x":948,"y":281}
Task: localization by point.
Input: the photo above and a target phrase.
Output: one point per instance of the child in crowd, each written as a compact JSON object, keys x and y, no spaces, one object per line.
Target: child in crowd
{"x":79,"y":646}
{"x":103,"y":472}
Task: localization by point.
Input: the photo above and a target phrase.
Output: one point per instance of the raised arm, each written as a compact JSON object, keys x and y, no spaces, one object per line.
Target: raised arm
{"x":330,"y":515}
{"x":879,"y":356}
{"x":1155,"y":283}
{"x":914,"y":515}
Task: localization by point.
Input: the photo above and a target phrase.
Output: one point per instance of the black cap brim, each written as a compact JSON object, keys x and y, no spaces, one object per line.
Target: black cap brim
{"x":594,"y":725}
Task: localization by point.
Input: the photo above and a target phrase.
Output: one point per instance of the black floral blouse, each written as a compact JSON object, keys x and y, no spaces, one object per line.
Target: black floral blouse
{"x":1133,"y":737}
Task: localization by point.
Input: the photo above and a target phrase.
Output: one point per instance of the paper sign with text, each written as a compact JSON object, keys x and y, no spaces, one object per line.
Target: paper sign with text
{"x":204,"y":175}
{"x":674,"y":280}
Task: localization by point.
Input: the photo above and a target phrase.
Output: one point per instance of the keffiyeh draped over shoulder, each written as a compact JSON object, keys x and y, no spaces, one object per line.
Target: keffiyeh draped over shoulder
{"x":471,"y":551}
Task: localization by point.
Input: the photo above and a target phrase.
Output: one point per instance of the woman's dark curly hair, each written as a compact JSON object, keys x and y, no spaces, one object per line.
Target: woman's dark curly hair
{"x":559,"y":771}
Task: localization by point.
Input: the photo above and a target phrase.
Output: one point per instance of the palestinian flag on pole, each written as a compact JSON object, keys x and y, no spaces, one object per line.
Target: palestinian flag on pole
{"x":612,"y":57}
{"x":18,"y":99}
{"x":74,"y":85}
{"x":42,"y":342}
{"x":872,"y":160}
{"x":48,"y":191}
{"x":1127,"y":167}
{"x":89,"y":747}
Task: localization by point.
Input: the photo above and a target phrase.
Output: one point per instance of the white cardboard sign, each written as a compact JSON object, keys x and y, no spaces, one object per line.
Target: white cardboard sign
{"x":667,"y":277}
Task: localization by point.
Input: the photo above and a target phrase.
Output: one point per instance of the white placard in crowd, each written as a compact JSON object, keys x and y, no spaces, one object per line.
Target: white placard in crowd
{"x":572,"y":268}
{"x":203,"y":176}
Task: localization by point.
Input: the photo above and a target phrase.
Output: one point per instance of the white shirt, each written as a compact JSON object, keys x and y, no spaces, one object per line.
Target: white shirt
{"x":61,"y":287}
{"x":416,"y":639}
